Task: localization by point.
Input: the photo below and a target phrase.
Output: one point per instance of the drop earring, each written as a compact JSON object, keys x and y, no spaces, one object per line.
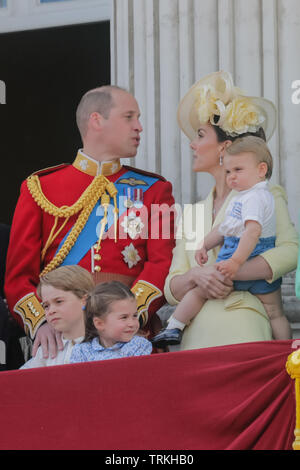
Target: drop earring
{"x":221,"y":160}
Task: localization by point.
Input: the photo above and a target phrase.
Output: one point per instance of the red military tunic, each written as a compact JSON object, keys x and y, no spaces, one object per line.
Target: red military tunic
{"x":140,"y":256}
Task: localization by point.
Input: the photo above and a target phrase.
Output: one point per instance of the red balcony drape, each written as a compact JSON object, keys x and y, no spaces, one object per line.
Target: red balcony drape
{"x":227,"y":397}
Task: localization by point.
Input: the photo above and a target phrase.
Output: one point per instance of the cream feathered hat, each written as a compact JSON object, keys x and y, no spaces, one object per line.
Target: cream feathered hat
{"x":215,"y":99}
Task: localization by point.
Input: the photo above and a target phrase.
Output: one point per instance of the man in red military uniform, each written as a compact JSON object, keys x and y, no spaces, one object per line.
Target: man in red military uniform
{"x":113,"y":220}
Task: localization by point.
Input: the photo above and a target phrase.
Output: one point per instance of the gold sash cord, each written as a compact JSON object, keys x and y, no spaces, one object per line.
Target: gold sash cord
{"x":86,"y":202}
{"x":293,"y":369}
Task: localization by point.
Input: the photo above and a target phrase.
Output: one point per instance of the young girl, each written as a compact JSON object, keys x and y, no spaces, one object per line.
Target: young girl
{"x":63,"y":292}
{"x":111,"y":324}
{"x":248,"y":229}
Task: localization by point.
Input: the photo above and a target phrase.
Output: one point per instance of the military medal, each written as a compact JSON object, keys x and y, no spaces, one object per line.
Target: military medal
{"x":132,"y":224}
{"x":131,"y":255}
{"x":128,"y":203}
{"x":138,"y":198}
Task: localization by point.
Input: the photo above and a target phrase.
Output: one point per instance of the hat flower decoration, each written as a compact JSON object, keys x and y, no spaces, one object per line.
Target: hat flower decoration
{"x":215,"y":100}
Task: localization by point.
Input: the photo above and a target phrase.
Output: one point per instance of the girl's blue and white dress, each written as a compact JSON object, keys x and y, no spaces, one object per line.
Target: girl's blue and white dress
{"x":94,"y":351}
{"x":256,"y":203}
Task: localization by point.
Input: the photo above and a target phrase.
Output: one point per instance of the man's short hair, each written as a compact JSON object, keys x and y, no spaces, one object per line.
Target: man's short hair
{"x":98,"y":100}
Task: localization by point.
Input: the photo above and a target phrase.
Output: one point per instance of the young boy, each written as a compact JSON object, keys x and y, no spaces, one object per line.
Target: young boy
{"x":63,"y":292}
{"x":249,"y":229}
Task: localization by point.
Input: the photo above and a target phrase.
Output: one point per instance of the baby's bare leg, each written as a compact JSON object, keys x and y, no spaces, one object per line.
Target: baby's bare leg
{"x":189,"y":306}
{"x":186,"y":310}
{"x":274,"y":308}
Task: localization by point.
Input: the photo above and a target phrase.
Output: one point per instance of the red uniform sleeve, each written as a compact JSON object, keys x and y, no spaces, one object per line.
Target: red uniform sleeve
{"x":23,"y":263}
{"x":149,"y":285}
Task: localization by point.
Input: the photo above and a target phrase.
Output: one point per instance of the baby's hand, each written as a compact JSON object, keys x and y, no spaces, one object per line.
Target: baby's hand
{"x":201,"y":256}
{"x":228,"y":268}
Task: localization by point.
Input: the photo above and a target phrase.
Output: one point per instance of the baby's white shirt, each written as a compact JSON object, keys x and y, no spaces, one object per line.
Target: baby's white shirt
{"x":256,"y":203}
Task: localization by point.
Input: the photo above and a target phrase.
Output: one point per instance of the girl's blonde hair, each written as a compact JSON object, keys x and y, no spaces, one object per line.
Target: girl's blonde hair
{"x":68,"y":278}
{"x":99,"y":301}
{"x":254,"y":145}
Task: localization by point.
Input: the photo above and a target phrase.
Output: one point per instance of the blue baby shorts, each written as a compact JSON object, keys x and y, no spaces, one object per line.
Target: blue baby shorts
{"x":259,"y":286}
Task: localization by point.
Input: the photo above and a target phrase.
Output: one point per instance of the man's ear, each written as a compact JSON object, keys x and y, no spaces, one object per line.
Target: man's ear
{"x":95,"y":120}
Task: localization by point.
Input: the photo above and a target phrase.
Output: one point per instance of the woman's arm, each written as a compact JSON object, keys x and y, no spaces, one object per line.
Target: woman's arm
{"x":184,"y":275}
{"x":211,"y":283}
{"x":255,"y":268}
{"x":178,"y":286}
{"x":282,"y":259}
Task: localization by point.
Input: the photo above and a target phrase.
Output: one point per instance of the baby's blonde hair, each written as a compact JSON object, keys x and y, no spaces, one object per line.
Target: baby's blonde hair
{"x":71,"y":278}
{"x":254,"y":145}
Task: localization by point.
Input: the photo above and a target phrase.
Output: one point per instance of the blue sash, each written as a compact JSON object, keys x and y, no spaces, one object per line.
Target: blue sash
{"x":91,"y":231}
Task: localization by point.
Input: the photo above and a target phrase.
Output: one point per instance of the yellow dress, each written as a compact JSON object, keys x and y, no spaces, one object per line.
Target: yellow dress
{"x":241,"y":317}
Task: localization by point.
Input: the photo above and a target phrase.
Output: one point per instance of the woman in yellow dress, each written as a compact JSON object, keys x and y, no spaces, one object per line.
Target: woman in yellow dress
{"x":212,"y":114}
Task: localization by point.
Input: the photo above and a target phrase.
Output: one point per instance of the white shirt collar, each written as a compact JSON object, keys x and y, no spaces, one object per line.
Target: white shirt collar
{"x":260,"y":185}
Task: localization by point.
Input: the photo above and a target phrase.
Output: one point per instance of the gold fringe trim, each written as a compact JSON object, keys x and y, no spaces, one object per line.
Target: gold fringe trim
{"x":293,"y":369}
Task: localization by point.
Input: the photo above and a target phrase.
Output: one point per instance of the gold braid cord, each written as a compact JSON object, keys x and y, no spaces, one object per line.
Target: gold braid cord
{"x":85,"y":204}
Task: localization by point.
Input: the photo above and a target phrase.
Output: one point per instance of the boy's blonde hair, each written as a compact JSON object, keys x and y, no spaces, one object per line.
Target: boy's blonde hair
{"x":68,"y":278}
{"x":255,"y":145}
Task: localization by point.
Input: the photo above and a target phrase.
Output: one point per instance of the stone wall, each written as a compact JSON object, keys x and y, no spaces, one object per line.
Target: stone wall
{"x":291,"y":303}
{"x":159,"y":48}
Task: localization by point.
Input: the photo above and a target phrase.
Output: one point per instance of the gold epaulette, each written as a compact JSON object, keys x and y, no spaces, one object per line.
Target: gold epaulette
{"x":49,"y":169}
{"x":144,"y":172}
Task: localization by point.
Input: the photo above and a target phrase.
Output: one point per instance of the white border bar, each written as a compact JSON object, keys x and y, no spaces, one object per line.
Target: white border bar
{"x":23,"y":15}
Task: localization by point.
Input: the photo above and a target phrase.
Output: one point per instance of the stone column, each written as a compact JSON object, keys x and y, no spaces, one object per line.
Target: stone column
{"x":161,"y":47}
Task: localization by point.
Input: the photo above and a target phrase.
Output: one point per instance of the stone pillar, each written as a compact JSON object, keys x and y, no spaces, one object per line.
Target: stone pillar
{"x":289,"y":113}
{"x":161,"y":47}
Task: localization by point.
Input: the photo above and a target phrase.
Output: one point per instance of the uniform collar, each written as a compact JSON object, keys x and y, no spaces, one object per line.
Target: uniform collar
{"x":92,"y":167}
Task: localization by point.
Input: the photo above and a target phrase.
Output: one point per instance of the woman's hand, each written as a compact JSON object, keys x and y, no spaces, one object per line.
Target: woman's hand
{"x":211,"y":283}
{"x":49,"y":339}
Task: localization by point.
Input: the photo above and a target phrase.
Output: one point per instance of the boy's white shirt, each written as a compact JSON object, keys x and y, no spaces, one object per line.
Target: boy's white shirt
{"x":63,"y":357}
{"x":256,"y":203}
